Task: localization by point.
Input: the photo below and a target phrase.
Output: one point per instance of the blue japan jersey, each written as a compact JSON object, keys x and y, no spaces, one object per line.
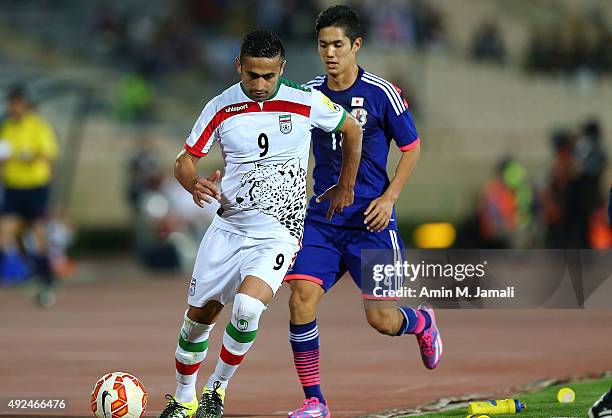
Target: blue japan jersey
{"x":383,"y":113}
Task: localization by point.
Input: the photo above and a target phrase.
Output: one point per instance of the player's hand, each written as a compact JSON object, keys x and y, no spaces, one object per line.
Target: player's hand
{"x":205,"y":189}
{"x":339,"y":197}
{"x":378,"y":214}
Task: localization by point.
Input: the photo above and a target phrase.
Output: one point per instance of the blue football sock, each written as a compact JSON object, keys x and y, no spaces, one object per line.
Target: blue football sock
{"x":305,"y":345}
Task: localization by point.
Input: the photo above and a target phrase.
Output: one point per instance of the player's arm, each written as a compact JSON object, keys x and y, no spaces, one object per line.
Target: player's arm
{"x":380,"y":210}
{"x":342,"y":194}
{"x":202,"y":189}
{"x":400,"y":126}
{"x":197,"y":145}
{"x":331,"y":117}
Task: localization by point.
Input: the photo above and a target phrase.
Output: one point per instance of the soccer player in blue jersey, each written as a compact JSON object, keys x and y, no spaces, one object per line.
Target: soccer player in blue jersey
{"x":331,"y":245}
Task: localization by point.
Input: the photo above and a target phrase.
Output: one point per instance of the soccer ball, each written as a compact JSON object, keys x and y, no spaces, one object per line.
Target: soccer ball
{"x":118,"y":395}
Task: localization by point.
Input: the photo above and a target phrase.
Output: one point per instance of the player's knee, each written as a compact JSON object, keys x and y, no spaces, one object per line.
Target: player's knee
{"x":246,"y":312}
{"x":382,"y":320}
{"x":245,"y":319}
{"x":303,"y":303}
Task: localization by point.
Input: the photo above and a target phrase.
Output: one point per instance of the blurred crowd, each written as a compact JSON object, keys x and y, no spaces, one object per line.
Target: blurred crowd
{"x":202,"y":33}
{"x":202,"y":36}
{"x":488,"y":43}
{"x":161,"y":37}
{"x":573,"y":202}
{"x":575,"y":44}
{"x":153,"y":39}
{"x":567,"y":211}
{"x":167,"y":225}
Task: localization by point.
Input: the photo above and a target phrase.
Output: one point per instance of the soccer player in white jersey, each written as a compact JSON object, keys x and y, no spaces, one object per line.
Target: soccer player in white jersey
{"x":263,"y":127}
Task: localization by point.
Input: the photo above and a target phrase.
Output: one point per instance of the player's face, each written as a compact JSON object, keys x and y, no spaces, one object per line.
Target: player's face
{"x":16,"y":107}
{"x":336,"y":50}
{"x":260,"y":75}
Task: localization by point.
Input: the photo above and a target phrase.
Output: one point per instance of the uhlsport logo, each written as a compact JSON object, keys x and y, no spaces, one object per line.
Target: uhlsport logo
{"x":236,"y":108}
{"x":284,"y":122}
{"x":243,"y":324}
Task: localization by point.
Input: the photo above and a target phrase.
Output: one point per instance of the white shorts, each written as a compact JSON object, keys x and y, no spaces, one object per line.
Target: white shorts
{"x":225,"y":259}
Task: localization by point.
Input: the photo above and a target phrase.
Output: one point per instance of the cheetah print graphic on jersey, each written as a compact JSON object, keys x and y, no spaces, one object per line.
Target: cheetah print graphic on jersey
{"x":278,"y":190}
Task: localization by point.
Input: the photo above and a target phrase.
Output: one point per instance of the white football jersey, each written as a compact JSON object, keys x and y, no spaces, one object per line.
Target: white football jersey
{"x":265,"y":146}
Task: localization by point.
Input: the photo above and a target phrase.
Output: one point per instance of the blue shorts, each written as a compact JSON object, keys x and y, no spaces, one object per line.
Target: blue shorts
{"x":329,"y":251}
{"x":29,"y":204}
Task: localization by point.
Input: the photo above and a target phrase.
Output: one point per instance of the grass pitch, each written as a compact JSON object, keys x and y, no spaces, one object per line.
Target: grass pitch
{"x":544,"y":404}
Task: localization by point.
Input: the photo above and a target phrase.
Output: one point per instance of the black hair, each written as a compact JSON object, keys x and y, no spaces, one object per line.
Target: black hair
{"x":343,"y":17}
{"x":561,"y":139}
{"x":592,"y":129}
{"x":17,"y":91}
{"x":262,"y":44}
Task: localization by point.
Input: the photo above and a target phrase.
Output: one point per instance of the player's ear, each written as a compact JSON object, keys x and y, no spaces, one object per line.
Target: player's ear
{"x":238,"y":66}
{"x":283,"y":62}
{"x":356,"y":45}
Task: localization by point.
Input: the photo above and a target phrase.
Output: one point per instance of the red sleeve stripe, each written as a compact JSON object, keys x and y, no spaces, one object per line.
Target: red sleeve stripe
{"x":244,"y":107}
{"x":411,"y":145}
{"x":225,"y":113}
{"x":192,"y":150}
{"x":400,"y":93}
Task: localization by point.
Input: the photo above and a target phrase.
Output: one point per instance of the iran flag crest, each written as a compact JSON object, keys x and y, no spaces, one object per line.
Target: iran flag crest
{"x":284,"y":122}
